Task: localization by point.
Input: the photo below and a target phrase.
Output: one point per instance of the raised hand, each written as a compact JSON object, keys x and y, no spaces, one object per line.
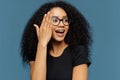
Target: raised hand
{"x":44,"y":32}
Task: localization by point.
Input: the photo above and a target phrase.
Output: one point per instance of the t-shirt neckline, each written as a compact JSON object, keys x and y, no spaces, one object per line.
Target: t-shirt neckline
{"x":59,"y":55}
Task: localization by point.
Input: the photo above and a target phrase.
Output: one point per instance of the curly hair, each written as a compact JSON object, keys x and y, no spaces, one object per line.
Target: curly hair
{"x":78,"y":34}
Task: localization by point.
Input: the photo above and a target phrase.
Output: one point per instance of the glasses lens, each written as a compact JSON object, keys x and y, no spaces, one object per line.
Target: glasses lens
{"x":66,"y":21}
{"x":55,"y":20}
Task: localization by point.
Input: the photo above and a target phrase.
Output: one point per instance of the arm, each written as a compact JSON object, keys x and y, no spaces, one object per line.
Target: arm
{"x":80,"y":72}
{"x":31,"y":68}
{"x":38,"y":67}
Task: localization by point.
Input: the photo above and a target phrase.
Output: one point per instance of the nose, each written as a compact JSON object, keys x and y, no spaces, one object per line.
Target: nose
{"x":61,"y":24}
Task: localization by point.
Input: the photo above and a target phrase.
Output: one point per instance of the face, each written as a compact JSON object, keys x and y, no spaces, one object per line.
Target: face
{"x":60,"y":24}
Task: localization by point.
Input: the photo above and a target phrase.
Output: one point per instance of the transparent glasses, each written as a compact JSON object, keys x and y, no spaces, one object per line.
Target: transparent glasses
{"x":56,"y":21}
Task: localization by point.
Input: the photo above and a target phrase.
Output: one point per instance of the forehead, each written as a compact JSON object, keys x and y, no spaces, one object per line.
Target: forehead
{"x":59,"y":12}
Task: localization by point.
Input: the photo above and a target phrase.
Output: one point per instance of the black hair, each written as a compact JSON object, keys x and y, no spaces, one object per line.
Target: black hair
{"x":78,"y":34}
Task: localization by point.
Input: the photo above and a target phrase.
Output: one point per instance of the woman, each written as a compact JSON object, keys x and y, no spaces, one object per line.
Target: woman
{"x":56,"y":43}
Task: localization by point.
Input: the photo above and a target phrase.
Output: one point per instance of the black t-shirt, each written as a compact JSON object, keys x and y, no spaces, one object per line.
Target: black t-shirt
{"x":61,"y":68}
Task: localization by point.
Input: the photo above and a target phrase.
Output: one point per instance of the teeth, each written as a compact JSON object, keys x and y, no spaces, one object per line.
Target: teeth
{"x":60,"y":31}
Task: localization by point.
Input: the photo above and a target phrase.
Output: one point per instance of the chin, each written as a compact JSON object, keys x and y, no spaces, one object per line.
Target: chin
{"x":59,"y":39}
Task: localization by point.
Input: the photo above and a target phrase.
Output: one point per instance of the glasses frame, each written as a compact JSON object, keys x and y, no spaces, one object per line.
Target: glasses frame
{"x":69,"y":20}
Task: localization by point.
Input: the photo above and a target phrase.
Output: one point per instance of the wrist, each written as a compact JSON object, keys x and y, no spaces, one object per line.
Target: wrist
{"x":42,"y":45}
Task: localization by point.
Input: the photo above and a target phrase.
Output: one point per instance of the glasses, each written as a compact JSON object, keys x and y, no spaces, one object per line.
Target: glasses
{"x":56,"y":21}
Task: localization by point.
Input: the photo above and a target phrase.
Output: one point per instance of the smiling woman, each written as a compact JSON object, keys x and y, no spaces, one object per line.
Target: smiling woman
{"x":56,"y":43}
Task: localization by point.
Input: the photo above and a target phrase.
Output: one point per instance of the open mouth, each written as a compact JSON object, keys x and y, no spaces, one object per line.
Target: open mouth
{"x":60,"y":32}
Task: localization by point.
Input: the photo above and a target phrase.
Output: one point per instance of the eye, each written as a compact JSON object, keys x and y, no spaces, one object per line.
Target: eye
{"x":65,"y":20}
{"x":55,"y":20}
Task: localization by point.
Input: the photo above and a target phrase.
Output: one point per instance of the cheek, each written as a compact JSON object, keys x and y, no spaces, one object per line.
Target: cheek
{"x":52,"y":28}
{"x":67,"y":28}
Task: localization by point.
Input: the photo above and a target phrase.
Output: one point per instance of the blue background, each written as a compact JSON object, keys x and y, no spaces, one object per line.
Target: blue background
{"x":103,"y":16}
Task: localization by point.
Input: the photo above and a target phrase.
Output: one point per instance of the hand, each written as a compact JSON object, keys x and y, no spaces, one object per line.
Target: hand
{"x":44,"y":33}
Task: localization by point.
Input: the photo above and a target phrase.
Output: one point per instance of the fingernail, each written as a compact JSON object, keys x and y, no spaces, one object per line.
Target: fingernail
{"x":48,"y":12}
{"x":44,"y":15}
{"x":33,"y":24}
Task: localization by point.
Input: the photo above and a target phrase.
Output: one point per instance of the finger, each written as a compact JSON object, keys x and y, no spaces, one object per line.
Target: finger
{"x":47,"y":17}
{"x":50,"y":26}
{"x":43,"y":21}
{"x":36,"y":27}
{"x":50,"y":23}
{"x":48,"y":20}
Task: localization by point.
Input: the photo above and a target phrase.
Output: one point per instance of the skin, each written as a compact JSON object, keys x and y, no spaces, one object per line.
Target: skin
{"x":44,"y":34}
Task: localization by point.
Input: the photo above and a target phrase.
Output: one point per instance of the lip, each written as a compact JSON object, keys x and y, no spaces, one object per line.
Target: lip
{"x":60,"y":32}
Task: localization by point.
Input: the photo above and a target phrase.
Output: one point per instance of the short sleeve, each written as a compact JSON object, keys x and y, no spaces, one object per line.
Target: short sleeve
{"x":80,"y":56}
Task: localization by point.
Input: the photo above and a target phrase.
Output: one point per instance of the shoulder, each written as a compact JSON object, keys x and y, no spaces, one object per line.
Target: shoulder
{"x":78,"y":49}
{"x":80,"y":55}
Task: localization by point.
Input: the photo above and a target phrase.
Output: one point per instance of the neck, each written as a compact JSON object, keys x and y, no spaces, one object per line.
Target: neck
{"x":58,"y":46}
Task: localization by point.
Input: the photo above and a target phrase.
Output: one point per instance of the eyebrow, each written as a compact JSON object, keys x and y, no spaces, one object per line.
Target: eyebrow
{"x":62,"y":17}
